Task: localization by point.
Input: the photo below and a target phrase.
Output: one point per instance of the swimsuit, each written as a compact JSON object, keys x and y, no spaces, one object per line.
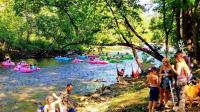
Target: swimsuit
{"x":166,"y":79}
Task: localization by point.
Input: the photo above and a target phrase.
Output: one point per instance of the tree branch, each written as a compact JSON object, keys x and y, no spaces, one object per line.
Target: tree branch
{"x":159,"y":57}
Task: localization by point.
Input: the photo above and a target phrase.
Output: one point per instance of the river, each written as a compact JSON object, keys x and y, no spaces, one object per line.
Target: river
{"x":55,"y":74}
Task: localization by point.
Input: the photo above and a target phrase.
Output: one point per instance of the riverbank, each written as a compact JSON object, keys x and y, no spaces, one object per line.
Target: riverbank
{"x":43,"y":54}
{"x":19,"y":91}
{"x":131,"y":97}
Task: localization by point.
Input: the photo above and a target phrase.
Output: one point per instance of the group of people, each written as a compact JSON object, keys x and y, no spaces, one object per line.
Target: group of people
{"x":161,"y":82}
{"x":25,"y":64}
{"x":63,"y":102}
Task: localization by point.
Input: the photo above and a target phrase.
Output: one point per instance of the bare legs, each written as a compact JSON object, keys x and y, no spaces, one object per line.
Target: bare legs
{"x":164,"y":96}
{"x":152,"y":106}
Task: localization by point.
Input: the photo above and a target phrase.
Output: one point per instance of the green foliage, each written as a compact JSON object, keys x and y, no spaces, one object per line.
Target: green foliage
{"x":61,"y":23}
{"x":47,"y":26}
{"x":156,"y":27}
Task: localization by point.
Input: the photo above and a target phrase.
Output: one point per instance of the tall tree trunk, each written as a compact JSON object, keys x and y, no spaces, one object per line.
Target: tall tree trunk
{"x":137,"y":59}
{"x":167,"y":27}
{"x":195,"y":29}
{"x":29,"y":26}
{"x":195,"y":40}
{"x":186,"y":26}
{"x":28,"y":33}
{"x":178,"y":23}
{"x":190,"y":30}
{"x":2,"y":56}
{"x":165,"y":30}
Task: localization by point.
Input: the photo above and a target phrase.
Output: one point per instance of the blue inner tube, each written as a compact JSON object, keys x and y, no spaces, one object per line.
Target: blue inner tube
{"x":63,"y":58}
{"x":83,"y":57}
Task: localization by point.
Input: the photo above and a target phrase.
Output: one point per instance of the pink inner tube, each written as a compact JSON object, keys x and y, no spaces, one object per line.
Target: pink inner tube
{"x":26,"y":70}
{"x":98,"y":62}
{"x":6,"y":63}
{"x":77,"y":61}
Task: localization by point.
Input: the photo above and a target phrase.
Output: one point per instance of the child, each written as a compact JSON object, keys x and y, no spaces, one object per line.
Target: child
{"x":152,"y":82}
{"x":51,"y":104}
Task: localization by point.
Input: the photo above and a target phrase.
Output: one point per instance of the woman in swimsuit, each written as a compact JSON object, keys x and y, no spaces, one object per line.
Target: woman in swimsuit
{"x":165,"y":82}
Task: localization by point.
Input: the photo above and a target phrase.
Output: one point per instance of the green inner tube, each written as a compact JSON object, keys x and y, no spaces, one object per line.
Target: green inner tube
{"x":127,"y":57}
{"x":117,"y":58}
{"x":103,"y":57}
{"x":115,"y":61}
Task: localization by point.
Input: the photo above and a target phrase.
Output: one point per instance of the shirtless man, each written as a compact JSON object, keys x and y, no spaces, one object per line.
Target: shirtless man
{"x":152,"y":83}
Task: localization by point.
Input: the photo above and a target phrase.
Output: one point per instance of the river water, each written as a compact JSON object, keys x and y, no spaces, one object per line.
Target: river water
{"x":55,"y":74}
{"x":52,"y":73}
{"x":82,"y":75}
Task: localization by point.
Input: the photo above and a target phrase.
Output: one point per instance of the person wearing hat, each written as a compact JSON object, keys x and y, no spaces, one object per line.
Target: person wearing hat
{"x":152,"y":83}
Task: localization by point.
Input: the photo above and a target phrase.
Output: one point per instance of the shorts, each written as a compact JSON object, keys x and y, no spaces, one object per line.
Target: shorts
{"x":154,"y":94}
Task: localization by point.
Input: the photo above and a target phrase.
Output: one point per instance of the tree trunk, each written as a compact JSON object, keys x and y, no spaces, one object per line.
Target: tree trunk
{"x":165,"y":30}
{"x":178,"y":22}
{"x":190,"y":31}
{"x":195,"y":29}
{"x":195,"y":40}
{"x":137,"y":59}
{"x":2,"y":56}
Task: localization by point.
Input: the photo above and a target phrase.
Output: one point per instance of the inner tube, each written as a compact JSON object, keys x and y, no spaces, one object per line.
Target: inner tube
{"x":6,"y":63}
{"x":97,"y":62}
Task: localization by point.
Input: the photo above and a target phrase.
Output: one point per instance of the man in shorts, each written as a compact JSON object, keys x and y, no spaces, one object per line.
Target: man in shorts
{"x":152,"y":83}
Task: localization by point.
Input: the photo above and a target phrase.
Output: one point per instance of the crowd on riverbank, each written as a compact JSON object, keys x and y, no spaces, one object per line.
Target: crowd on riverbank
{"x":171,"y":77}
{"x":161,"y":82}
{"x":164,"y":72}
